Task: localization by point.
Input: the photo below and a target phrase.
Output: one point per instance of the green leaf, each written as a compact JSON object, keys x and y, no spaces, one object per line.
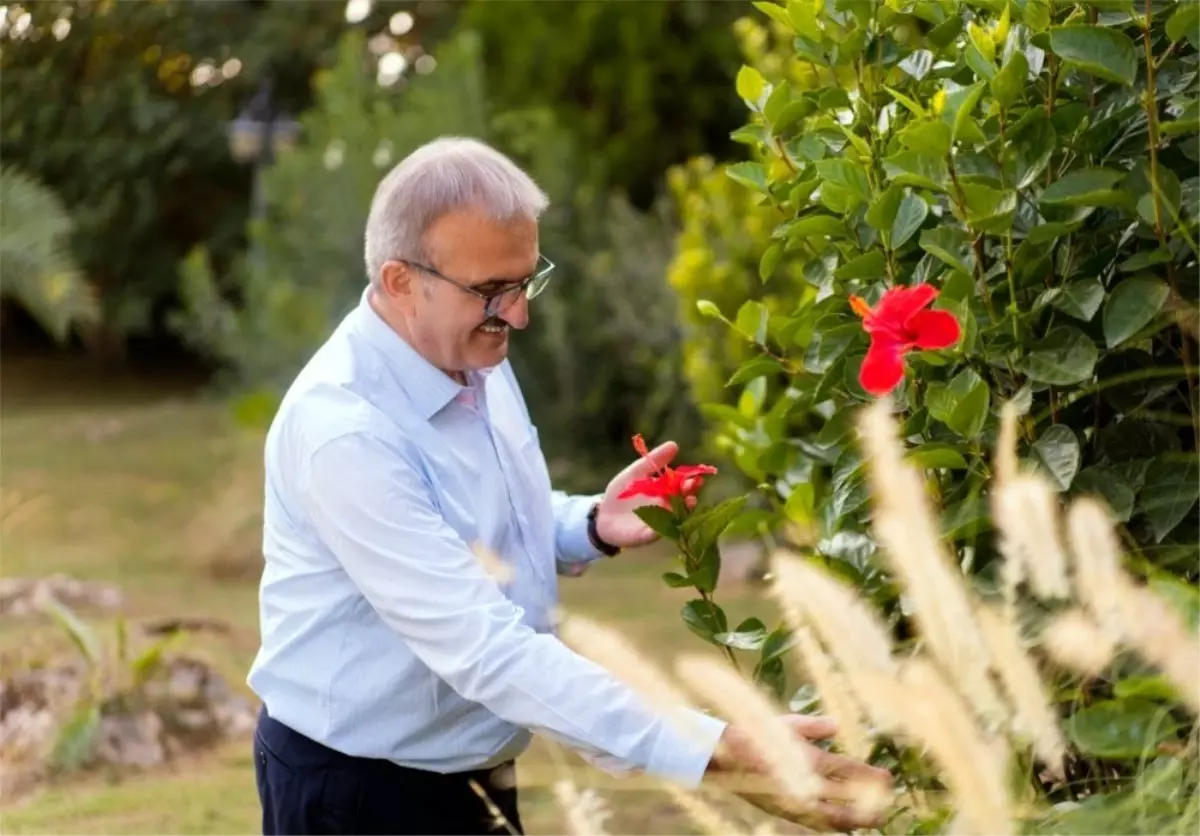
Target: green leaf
{"x":812,"y":225}
{"x":883,"y":209}
{"x":703,"y":528}
{"x":1147,"y":687}
{"x":962,"y":405}
{"x":82,"y":636}
{"x":828,"y":345}
{"x":709,"y":309}
{"x":911,"y":215}
{"x":988,"y":209}
{"x":1172,"y":488}
{"x":849,"y":175}
{"x":928,"y":136}
{"x":804,"y":19}
{"x":952,"y":246}
{"x":76,"y":739}
{"x":917,"y":168}
{"x":705,"y":619}
{"x":1065,"y":356}
{"x":1104,"y":52}
{"x":1058,"y":451}
{"x":1107,"y":484}
{"x":966,"y":519}
{"x":937,"y":456}
{"x":705,"y":569}
{"x":750,"y":85}
{"x":775,"y":12}
{"x":869,"y":265}
{"x":1009,"y":85}
{"x":751,"y":175}
{"x":752,"y":319}
{"x":1085,"y":187}
{"x":780,"y":96}
{"x":800,"y":503}
{"x":660,"y":520}
{"x":753,"y":368}
{"x":1185,"y":23}
{"x":1121,"y":729}
{"x":965,"y":105}
{"x":1037,"y":15}
{"x":1131,"y":306}
{"x":751,"y":634}
{"x":1183,"y":597}
{"x":1144,"y":260}
{"x":1080,"y":299}
{"x":675,"y":580}
{"x":792,"y":112}
{"x":914,"y":107}
{"x":770,"y":260}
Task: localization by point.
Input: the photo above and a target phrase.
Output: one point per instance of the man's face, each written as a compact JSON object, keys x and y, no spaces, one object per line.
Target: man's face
{"x":448,"y":324}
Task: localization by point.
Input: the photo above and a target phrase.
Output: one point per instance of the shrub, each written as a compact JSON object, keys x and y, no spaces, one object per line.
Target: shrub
{"x":1031,"y":168}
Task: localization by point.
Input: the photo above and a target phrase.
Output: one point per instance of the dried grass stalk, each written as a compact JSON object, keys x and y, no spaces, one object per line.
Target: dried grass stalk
{"x":836,"y":697}
{"x":585,"y":811}
{"x":747,"y":708}
{"x":1026,"y":513}
{"x":1035,"y":719}
{"x":928,"y":711}
{"x":493,"y":564}
{"x":704,"y":815}
{"x":908,"y":529}
{"x":1073,"y":639}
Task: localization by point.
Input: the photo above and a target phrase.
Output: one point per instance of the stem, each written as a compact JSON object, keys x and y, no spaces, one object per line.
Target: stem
{"x":1150,"y":101}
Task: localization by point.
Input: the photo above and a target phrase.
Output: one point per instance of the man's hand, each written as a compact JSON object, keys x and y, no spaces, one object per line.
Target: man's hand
{"x":616,"y":523}
{"x":853,"y":794}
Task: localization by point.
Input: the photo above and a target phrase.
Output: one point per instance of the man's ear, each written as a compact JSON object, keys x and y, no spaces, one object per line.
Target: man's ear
{"x":396,"y":280}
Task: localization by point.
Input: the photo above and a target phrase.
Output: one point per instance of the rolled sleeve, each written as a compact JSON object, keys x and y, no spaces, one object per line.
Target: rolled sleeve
{"x":383,"y":526}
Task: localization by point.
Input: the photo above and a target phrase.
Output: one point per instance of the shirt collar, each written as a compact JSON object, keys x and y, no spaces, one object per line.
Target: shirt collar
{"x":428,"y":387}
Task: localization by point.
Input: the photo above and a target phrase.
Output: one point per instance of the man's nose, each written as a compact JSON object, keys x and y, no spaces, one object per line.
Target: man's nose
{"x":517,"y":313}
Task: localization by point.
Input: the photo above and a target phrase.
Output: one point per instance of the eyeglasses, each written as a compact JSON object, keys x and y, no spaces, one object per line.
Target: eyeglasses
{"x":499,"y":300}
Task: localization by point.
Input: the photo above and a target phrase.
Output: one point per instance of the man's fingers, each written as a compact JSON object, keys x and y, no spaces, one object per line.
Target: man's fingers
{"x":842,"y":817}
{"x":832,"y":765}
{"x":658,"y":458}
{"x":811,"y":726}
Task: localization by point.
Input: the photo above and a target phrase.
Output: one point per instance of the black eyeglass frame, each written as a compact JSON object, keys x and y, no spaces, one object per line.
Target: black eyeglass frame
{"x":494,"y":303}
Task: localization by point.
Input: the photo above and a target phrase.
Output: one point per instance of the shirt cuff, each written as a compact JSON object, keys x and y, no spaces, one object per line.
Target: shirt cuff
{"x":685,"y":746}
{"x":574,"y":547}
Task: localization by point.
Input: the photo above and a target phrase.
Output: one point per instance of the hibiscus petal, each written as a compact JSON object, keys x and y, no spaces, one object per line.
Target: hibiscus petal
{"x":899,"y":304}
{"x":882,"y":369}
{"x":934,"y":329}
{"x":686,"y":470}
{"x":655,"y":487}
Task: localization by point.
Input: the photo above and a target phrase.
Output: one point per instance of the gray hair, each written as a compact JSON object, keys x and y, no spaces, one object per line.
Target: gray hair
{"x":441,"y":176}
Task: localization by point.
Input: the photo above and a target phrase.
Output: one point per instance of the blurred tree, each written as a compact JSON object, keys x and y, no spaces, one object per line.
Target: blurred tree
{"x":121,"y":108}
{"x":37,"y":269}
{"x":642,"y":86}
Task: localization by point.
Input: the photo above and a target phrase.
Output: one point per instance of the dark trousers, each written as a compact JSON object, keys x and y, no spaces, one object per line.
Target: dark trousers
{"x":305,"y":787}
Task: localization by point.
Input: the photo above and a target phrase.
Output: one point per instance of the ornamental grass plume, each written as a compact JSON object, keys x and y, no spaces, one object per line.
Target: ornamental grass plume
{"x":1025,"y":509}
{"x":585,"y":811}
{"x":745,"y":706}
{"x":907,"y":529}
{"x":922,"y":707}
{"x":1131,"y":615}
{"x":1074,"y":640}
{"x":1034,"y":718}
{"x":709,"y":819}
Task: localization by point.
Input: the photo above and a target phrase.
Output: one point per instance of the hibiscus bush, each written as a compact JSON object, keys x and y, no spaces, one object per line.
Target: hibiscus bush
{"x":989,"y":202}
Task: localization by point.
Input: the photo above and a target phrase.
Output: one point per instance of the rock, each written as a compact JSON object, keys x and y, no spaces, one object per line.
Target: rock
{"x":131,"y":740}
{"x":25,"y":596}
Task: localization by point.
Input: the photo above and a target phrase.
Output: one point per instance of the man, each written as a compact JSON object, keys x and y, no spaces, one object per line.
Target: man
{"x":399,"y":678}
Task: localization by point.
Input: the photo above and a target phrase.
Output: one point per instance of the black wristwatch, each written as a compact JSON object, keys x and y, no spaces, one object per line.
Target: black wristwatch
{"x":594,"y":535}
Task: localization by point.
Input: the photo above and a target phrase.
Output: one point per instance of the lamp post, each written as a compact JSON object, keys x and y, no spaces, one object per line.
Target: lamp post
{"x":258,"y":135}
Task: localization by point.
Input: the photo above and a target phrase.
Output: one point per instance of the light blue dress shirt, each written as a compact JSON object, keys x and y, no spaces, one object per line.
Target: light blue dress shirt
{"x":383,"y":635}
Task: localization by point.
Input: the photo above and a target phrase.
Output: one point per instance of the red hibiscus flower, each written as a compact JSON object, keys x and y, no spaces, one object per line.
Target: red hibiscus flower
{"x":898,"y":324}
{"x":666,"y":482}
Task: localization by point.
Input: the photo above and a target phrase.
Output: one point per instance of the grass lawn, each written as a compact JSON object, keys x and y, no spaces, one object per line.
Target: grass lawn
{"x":102,"y":480}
